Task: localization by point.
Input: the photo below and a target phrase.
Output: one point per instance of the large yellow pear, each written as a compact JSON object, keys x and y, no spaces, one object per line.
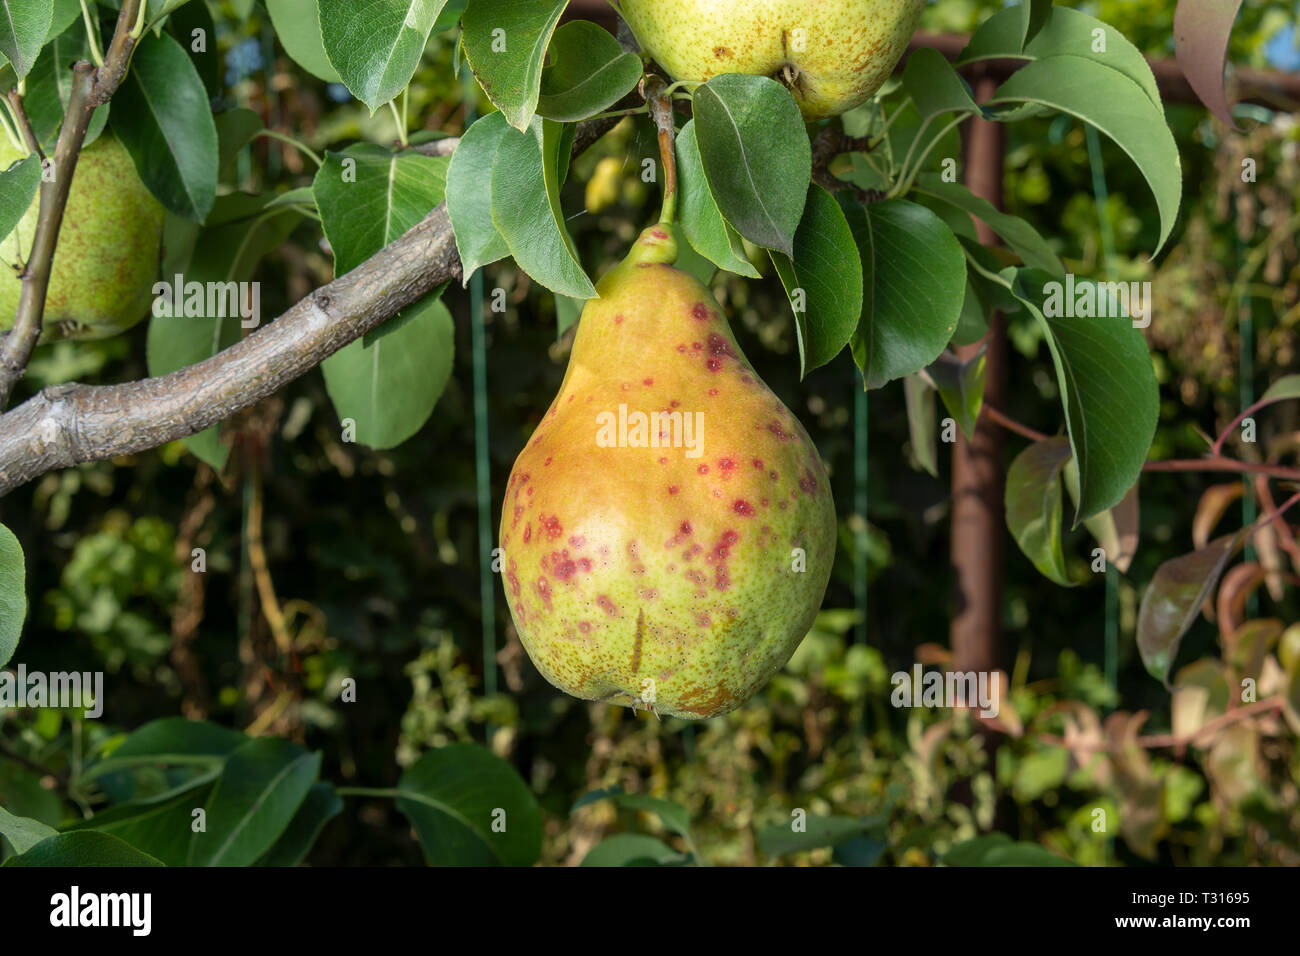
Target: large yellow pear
{"x":832,"y":54}
{"x":107,"y":255}
{"x":668,"y":531}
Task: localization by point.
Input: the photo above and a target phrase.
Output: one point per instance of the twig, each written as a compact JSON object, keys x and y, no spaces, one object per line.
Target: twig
{"x":24,"y":123}
{"x":1010,"y":424}
{"x":91,"y":87}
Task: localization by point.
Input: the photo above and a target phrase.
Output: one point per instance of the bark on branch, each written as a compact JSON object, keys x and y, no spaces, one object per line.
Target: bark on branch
{"x":68,"y":424}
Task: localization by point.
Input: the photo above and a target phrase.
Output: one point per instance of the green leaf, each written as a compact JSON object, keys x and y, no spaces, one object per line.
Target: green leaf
{"x":263,"y":783}
{"x":24,"y":25}
{"x":194,"y":746}
{"x":18,"y":185}
{"x":632,"y":849}
{"x":388,"y":385}
{"x":823,"y":280}
{"x":23,"y":833}
{"x":919,"y":397}
{"x":672,"y":815}
{"x":162,"y":117}
{"x":1108,"y":390}
{"x":817,"y":832}
{"x":298,"y":28}
{"x":1288,"y":386}
{"x":369,"y":197}
{"x":321,"y":806}
{"x":526,"y":209}
{"x":82,"y":848}
{"x":1033,"y":506}
{"x":961,"y":386}
{"x":1064,"y":30}
{"x":470,"y":808}
{"x":162,"y":829}
{"x":65,"y":12}
{"x":973,"y":323}
{"x":589,"y":72}
{"x":914,"y":282}
{"x":935,"y":87}
{"x":229,"y":252}
{"x":1173,"y":599}
{"x":1113,"y":103}
{"x":376,"y":46}
{"x":1023,"y":238}
{"x":13,"y":593}
{"x":469,"y":195}
{"x":1033,"y":13}
{"x":49,"y":87}
{"x":997,"y":849}
{"x":756,"y":156}
{"x":697,"y":212}
{"x":505,"y":43}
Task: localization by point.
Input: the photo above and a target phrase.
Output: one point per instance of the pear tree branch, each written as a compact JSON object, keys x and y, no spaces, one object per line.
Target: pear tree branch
{"x":91,"y":87}
{"x":65,"y":425}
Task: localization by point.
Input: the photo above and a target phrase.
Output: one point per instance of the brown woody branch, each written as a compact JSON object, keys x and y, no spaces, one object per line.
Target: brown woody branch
{"x":68,"y":424}
{"x":91,"y":87}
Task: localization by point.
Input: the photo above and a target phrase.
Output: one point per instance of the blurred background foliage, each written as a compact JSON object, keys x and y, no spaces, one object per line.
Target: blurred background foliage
{"x":373,"y":556}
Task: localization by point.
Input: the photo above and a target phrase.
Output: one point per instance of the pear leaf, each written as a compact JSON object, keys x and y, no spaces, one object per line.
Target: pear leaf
{"x":756,"y":156}
{"x":590,"y":72}
{"x":823,"y":280}
{"x":23,"y":28}
{"x":914,"y":282}
{"x":707,"y":232}
{"x":297,"y":26}
{"x":18,"y":185}
{"x":469,"y":194}
{"x":161,"y":115}
{"x":526,"y":208}
{"x":375,"y":46}
{"x":505,"y":42}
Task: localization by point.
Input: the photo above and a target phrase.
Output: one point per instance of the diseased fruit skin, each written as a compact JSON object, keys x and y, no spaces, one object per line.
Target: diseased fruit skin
{"x":846,"y":50}
{"x":642,"y":576}
{"x":107,"y":256}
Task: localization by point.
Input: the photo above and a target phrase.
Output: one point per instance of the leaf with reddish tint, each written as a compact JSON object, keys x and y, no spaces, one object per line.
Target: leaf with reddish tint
{"x":1173,"y":599}
{"x":1201,"y":31}
{"x":1211,"y":509}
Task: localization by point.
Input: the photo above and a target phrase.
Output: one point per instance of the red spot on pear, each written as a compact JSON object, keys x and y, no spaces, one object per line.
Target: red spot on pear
{"x":606,"y":605}
{"x":703,"y":469}
{"x":743,"y":508}
{"x":647,"y":381}
{"x":700,"y":311}
{"x":544,"y":589}
{"x":577,"y":541}
{"x":528,"y":533}
{"x":551,"y":526}
{"x":584,"y":626}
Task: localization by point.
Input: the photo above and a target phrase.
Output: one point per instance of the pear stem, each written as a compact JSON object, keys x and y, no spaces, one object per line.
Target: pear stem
{"x":661,"y":108}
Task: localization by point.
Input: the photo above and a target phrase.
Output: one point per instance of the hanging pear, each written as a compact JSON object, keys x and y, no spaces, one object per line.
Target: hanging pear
{"x":668,"y":531}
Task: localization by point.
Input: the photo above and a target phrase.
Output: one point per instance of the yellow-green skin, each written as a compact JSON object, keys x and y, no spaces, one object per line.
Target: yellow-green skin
{"x":107,"y":256}
{"x":642,"y":576}
{"x":849,"y":47}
